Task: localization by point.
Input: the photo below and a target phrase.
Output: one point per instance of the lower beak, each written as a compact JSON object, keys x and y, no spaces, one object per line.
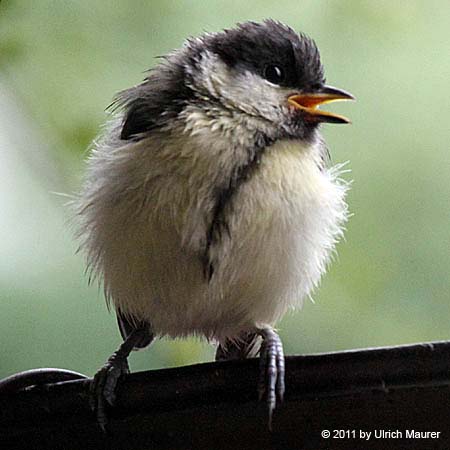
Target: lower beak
{"x":309,"y":102}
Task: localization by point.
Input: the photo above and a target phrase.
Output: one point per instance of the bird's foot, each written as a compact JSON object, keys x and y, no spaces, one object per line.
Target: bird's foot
{"x":271,"y":371}
{"x":104,"y":384}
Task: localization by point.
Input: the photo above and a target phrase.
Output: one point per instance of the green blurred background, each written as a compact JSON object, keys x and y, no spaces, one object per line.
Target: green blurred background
{"x":61,"y":63}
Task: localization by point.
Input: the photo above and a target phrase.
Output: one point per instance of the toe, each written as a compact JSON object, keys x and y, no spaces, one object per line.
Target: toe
{"x":262,"y":371}
{"x":103,"y":390}
{"x":109,"y":388}
{"x":280,"y":386}
{"x":271,"y":377}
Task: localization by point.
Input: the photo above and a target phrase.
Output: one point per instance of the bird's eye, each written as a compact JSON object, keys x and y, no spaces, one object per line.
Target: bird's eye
{"x":274,"y":74}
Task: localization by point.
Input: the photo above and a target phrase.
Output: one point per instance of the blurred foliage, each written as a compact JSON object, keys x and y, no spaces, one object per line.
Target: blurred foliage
{"x":61,"y":63}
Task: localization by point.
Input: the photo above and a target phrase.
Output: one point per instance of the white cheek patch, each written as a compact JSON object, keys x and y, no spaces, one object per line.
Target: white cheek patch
{"x":242,"y":90}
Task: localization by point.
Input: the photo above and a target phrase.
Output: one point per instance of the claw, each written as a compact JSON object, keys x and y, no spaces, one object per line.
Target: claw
{"x":103,"y":387}
{"x":271,"y":371}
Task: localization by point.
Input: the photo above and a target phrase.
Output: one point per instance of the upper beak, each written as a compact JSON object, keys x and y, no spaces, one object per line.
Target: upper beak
{"x":308,"y":102}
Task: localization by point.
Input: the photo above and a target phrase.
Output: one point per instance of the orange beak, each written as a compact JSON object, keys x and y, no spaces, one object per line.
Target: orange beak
{"x":309,"y":102}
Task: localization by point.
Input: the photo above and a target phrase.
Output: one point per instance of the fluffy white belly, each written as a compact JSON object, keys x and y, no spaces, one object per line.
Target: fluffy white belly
{"x":284,"y":223}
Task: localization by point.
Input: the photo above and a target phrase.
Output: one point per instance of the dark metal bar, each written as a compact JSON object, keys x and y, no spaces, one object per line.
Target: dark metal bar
{"x":215,"y":406}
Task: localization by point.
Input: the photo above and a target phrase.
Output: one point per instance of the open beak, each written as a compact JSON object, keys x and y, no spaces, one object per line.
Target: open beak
{"x":309,"y":102}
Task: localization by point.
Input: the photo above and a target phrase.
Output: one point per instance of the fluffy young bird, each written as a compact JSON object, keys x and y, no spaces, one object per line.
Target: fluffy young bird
{"x":209,"y":208}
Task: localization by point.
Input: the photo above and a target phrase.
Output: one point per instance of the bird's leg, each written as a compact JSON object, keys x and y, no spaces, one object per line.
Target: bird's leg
{"x":103,"y":386}
{"x":271,"y":370}
{"x":271,"y":375}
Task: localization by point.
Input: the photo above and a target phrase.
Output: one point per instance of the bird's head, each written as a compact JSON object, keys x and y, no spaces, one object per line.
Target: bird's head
{"x":264,"y":71}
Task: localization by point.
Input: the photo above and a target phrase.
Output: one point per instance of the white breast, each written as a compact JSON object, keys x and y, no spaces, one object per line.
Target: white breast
{"x":284,"y":223}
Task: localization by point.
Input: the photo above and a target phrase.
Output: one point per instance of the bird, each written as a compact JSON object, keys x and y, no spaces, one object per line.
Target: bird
{"x":210,"y":206}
